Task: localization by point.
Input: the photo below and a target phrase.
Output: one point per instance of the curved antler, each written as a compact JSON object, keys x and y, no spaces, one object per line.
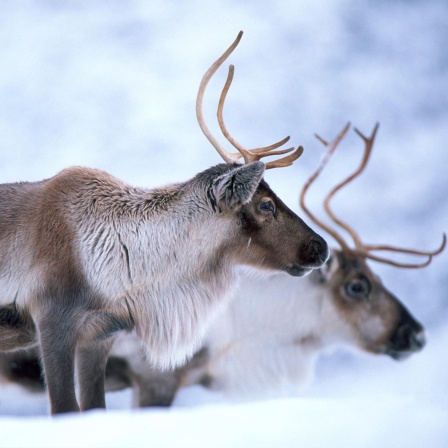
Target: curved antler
{"x":228,"y":157}
{"x":367,"y":248}
{"x":362,"y":249}
{"x":250,"y":155}
{"x":367,"y":151}
{"x":326,"y":157}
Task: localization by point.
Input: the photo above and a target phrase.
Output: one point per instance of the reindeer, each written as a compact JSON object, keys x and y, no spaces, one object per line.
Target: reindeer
{"x":86,"y":256}
{"x":268,"y":339}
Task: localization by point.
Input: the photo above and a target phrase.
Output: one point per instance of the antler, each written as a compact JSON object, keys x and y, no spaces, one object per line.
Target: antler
{"x":331,"y":148}
{"x":365,"y":159}
{"x":365,"y":249}
{"x":249,"y":155}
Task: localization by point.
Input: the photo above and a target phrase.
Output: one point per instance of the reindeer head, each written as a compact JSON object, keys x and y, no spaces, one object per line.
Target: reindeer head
{"x":271,"y":236}
{"x":366,"y":311}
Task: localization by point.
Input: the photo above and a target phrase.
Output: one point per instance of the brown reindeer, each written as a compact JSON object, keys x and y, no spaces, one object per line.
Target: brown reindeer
{"x":86,"y":256}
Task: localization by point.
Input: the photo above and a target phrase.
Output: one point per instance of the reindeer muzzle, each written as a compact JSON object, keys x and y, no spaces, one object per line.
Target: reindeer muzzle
{"x":408,"y":338}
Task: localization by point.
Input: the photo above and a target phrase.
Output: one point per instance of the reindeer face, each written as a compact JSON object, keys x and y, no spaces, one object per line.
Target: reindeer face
{"x":261,"y":231}
{"x":376,"y":319}
{"x":276,"y":238}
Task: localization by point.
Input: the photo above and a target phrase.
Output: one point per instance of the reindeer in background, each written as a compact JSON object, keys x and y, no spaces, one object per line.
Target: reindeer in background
{"x":267,"y":341}
{"x":85,"y":257}
{"x":254,"y":349}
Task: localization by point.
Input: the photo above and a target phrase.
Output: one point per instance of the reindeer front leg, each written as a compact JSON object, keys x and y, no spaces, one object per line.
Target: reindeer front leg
{"x":58,"y":336}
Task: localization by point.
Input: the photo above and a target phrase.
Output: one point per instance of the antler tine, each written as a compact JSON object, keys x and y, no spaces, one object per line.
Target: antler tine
{"x":331,"y":148}
{"x":252,"y":155}
{"x":394,"y":263}
{"x":227,"y":156}
{"x":367,"y":151}
{"x":373,"y":247}
{"x":271,"y":147}
{"x":365,"y":252}
{"x":285,"y":161}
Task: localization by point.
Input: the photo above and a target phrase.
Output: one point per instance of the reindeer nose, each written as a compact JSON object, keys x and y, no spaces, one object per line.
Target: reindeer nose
{"x":410,"y":338}
{"x":316,"y":252}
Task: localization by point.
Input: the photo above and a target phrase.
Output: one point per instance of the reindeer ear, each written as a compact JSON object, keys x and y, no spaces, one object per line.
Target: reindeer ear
{"x":236,"y":187}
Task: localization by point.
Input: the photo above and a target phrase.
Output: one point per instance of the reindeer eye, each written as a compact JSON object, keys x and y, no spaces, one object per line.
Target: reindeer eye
{"x":267,"y":206}
{"x":358,"y":289}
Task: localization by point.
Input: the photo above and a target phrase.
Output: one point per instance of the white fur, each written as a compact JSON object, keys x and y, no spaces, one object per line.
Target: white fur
{"x":177,"y":306}
{"x":267,"y":341}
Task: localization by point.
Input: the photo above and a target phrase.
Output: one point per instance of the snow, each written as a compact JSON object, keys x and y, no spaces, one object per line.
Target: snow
{"x":112,"y":85}
{"x":285,"y":423}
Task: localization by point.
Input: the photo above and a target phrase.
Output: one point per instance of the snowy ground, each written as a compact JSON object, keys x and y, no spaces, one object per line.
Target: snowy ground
{"x":112,"y":84}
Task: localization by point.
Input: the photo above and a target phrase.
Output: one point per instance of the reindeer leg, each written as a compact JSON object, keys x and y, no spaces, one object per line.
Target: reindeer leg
{"x":58,"y":335}
{"x":92,"y":360}
{"x":100,"y":331}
